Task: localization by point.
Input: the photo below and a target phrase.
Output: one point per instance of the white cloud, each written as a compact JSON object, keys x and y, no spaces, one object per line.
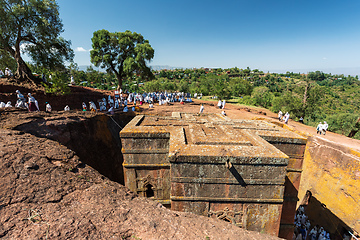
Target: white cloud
{"x":80,"y":49}
{"x":324,"y":58}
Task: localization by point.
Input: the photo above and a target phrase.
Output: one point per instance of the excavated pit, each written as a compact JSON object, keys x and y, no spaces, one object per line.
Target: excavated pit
{"x":93,"y":137}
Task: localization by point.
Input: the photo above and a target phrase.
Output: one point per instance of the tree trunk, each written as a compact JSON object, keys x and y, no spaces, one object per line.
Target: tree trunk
{"x":354,"y":131}
{"x":306,"y":93}
{"x":23,"y":71}
{"x":118,"y":75}
{"x":119,"y":78}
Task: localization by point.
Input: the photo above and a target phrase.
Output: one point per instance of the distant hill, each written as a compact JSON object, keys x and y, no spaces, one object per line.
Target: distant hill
{"x":160,"y":67}
{"x":153,"y":67}
{"x":84,"y":67}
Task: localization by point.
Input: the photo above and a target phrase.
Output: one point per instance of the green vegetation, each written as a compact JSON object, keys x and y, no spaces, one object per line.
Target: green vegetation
{"x":33,"y":27}
{"x":315,"y":96}
{"x":123,"y":53}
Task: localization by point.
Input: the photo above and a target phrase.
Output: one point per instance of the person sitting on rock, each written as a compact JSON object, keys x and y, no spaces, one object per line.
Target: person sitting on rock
{"x":223,"y":113}
{"x":8,"y":72}
{"x":47,"y":107}
{"x":301,"y":120}
{"x":8,"y":105}
{"x":67,"y":108}
{"x":125,"y":109}
{"x":111,"y":110}
{"x":92,"y":106}
{"x":84,"y":106}
{"x":20,"y":99}
{"x":102,"y":104}
{"x":20,"y":96}
{"x":21,"y":103}
{"x":2,"y":105}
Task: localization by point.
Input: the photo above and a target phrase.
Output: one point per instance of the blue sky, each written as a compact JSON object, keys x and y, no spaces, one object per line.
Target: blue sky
{"x":273,"y":36}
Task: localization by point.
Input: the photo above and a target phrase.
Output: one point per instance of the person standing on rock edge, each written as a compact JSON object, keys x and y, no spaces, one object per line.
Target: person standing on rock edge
{"x":319,"y":128}
{"x":325,"y":127}
{"x":286,"y":117}
{"x":280,"y":114}
{"x":201,"y":108}
{"x":72,"y":81}
{"x":219,"y":104}
{"x":31,"y":102}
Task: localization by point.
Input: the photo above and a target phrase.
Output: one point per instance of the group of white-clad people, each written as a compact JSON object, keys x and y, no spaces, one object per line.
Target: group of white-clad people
{"x":322,"y":128}
{"x":302,"y":228}
{"x":285,"y":117}
{"x":32,"y":104}
{"x":7,"y":72}
{"x":220,"y":105}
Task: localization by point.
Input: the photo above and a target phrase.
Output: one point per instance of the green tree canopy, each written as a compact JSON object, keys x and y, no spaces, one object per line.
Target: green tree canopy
{"x":123,"y":53}
{"x":33,"y":26}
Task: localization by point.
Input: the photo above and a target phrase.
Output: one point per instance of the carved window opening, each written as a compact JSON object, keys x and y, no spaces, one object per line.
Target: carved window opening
{"x":149,"y":192}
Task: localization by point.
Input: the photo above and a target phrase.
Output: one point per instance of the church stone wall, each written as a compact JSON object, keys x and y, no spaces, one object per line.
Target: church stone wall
{"x":213,"y":166}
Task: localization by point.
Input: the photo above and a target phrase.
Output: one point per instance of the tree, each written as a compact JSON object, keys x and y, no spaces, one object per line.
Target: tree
{"x":6,"y":61}
{"x":123,"y":53}
{"x":262,"y":96}
{"x":33,"y":26}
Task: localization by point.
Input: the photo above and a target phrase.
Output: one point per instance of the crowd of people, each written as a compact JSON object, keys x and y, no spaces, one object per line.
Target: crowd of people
{"x":302,"y":228}
{"x":110,"y":104}
{"x":320,"y":129}
{"x":137,"y":99}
